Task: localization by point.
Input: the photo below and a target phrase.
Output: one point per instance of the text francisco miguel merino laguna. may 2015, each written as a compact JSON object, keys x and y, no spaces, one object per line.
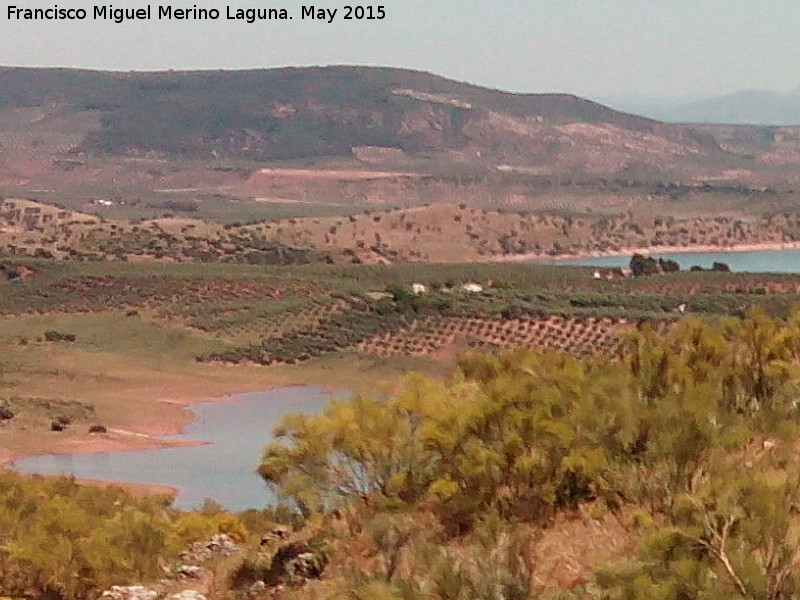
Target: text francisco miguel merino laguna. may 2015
{"x":193,"y":13}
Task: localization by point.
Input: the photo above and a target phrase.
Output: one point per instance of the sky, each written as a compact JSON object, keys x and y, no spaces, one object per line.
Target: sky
{"x":593,"y":48}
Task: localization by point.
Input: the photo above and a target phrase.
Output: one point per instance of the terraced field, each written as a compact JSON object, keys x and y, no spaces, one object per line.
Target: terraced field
{"x":249,"y":324}
{"x":289,"y":315}
{"x":433,"y":334}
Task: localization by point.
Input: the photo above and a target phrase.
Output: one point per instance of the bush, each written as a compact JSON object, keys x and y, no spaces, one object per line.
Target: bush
{"x":10,"y":271}
{"x":196,"y":526}
{"x":643,"y":265}
{"x":66,"y":541}
{"x":720,"y":267}
{"x":294,"y":563}
{"x":57,"y":336}
{"x":668,"y":265}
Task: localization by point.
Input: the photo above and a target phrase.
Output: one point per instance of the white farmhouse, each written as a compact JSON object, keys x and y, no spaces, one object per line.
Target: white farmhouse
{"x":418,"y":288}
{"x":472,"y":287}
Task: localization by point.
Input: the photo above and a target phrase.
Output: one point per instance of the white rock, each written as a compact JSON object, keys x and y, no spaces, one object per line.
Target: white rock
{"x":187,"y":595}
{"x":130,"y":592}
{"x":192,"y":571}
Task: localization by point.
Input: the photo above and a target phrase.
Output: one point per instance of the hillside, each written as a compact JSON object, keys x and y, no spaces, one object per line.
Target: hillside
{"x":560,"y":432}
{"x":145,"y":132}
{"x":298,"y":113}
{"x":438,"y":233}
{"x":524,"y":474}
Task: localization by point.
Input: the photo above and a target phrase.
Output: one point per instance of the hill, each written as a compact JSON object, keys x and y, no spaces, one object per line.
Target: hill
{"x":747,"y":107}
{"x":295,"y":113}
{"x":437,"y":233}
{"x":56,"y":118}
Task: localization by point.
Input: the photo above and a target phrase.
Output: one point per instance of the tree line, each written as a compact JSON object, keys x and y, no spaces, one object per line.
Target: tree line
{"x":647,"y":265}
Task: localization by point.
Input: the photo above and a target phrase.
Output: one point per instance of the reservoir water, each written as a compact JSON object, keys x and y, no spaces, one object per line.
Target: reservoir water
{"x":224,"y":469}
{"x":773,"y":261}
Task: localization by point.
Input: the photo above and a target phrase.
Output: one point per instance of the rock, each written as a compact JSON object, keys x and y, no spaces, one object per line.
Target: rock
{"x":187,"y":595}
{"x":223,"y":544}
{"x":130,"y":592}
{"x":219,"y":545}
{"x":190,"y":571}
{"x":296,"y":563}
{"x":197,"y":552}
{"x":257,"y":588}
{"x":305,"y":566}
{"x":281,"y":532}
{"x":277,"y":534}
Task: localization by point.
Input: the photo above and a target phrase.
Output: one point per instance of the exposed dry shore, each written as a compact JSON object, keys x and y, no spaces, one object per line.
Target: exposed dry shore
{"x":140,"y":406}
{"x":138,"y":401}
{"x":145,"y":435}
{"x":652,"y":250}
{"x":142,"y":436}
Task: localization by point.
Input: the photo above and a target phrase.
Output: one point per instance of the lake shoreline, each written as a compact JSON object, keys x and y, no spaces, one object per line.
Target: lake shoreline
{"x":121,"y":446}
{"x":140,"y":436}
{"x":135,"y":438}
{"x":143,"y":437}
{"x":650,"y":251}
{"x":137,"y":490}
{"x":138,"y":401}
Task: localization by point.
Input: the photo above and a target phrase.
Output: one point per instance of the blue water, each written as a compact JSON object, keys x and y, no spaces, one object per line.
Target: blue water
{"x":775,"y":261}
{"x":223,"y":469}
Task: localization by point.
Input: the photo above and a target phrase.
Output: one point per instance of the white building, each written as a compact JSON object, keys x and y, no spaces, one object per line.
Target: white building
{"x":418,"y":288}
{"x":472,"y":287}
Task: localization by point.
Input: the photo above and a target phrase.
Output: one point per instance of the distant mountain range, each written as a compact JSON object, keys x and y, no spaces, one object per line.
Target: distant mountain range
{"x":752,"y":107}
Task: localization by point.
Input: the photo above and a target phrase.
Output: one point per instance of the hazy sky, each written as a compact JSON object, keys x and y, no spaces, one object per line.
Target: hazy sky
{"x":588,"y":47}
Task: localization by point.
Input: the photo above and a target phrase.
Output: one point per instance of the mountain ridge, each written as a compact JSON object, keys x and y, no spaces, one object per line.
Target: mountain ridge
{"x":744,"y":107}
{"x":193,"y":110}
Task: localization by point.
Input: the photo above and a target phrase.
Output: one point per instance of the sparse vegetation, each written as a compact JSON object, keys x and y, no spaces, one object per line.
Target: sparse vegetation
{"x":689,"y":438}
{"x":70,"y":541}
